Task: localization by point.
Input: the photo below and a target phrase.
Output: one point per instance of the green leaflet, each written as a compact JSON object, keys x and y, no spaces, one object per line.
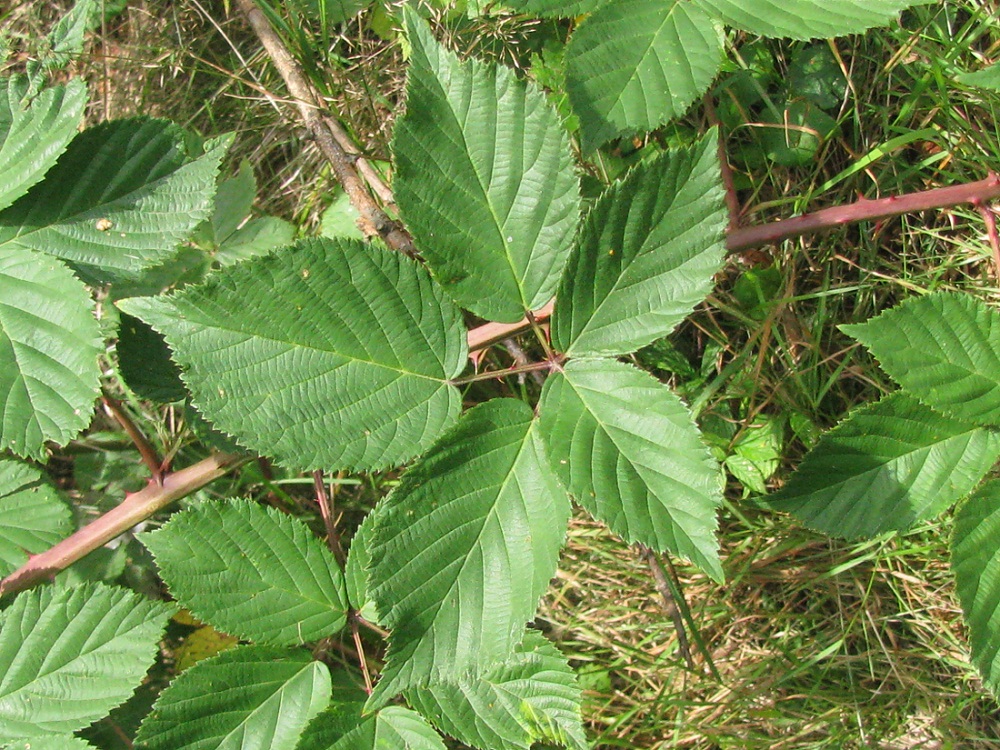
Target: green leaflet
{"x":251,"y":571}
{"x":558,"y":8}
{"x":806,"y":19}
{"x":484,"y":180}
{"x":359,"y":559}
{"x":887,"y":466}
{"x":69,"y":655}
{"x":464,"y":547}
{"x":145,"y":363}
{"x":637,"y":64}
{"x":975,"y":559}
{"x":942,"y":348}
{"x":120,"y":199}
{"x":647,"y":254}
{"x":344,"y":727}
{"x":531,"y":697}
{"x":330,"y":354}
{"x":55,"y":742}
{"x":49,"y":344}
{"x":32,"y":515}
{"x":630,"y":453}
{"x":247,"y":698}
{"x":34,"y":131}
{"x":987,"y":78}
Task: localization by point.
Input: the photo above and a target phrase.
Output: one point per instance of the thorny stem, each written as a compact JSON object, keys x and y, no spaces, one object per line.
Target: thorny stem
{"x":497,"y":374}
{"x":991,"y":233}
{"x":359,"y":647}
{"x":326,"y":511}
{"x":732,"y":199}
{"x":146,"y":450}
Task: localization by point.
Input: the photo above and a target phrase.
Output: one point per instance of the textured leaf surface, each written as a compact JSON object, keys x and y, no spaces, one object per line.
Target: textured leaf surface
{"x":145,"y":363}
{"x":65,"y":742}
{"x":32,"y":515}
{"x":69,"y":655}
{"x":34,"y":132}
{"x":343,"y":727}
{"x":637,"y":64}
{"x":886,"y":467}
{"x":975,"y":559}
{"x":331,"y":354}
{"x":484,"y":180}
{"x":248,"y":698}
{"x":49,"y":343}
{"x":806,"y":19}
{"x":356,"y":570}
{"x":251,"y":571}
{"x":558,"y":8}
{"x":942,"y":348}
{"x":465,"y":546}
{"x":647,"y":253}
{"x":531,"y":697}
{"x":630,"y":453}
{"x":119,"y":200}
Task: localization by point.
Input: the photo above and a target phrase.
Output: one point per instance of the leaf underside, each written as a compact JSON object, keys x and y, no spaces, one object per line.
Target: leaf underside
{"x":329,"y":354}
{"x":32,"y":515}
{"x":485,"y":181}
{"x":464,"y":547}
{"x":251,"y":571}
{"x":887,"y":466}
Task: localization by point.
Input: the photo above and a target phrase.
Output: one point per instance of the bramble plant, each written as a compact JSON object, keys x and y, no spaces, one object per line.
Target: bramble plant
{"x":334,"y":353}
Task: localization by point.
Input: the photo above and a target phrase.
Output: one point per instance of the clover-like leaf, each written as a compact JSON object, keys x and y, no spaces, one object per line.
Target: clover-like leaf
{"x":330,"y":354}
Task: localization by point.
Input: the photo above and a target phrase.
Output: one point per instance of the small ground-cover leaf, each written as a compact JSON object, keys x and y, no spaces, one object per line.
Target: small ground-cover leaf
{"x":250,"y":698}
{"x":328,"y":354}
{"x":636,"y":64}
{"x":119,"y":200}
{"x":484,"y":179}
{"x":344,"y":726}
{"x":251,"y":571}
{"x":69,"y":655}
{"x":49,"y":344}
{"x":34,"y":131}
{"x":987,"y":78}
{"x":885,"y":467}
{"x":32,"y":515}
{"x":531,"y":697}
{"x":465,"y":546}
{"x":646,"y":256}
{"x":975,"y":558}
{"x":942,"y":348}
{"x":630,"y":453}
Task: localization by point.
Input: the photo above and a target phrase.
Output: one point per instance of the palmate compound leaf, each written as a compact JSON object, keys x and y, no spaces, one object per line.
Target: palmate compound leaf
{"x":34,"y":131}
{"x":647,"y":252}
{"x":464,"y":547}
{"x":251,"y":571}
{"x":49,"y":344}
{"x":119,"y":200}
{"x":331,"y":353}
{"x":344,"y":726}
{"x":885,"y":467}
{"x":247,"y":698}
{"x":531,"y":697}
{"x":32,"y":515}
{"x":975,"y":559}
{"x":636,"y":64}
{"x":69,"y":655}
{"x":944,"y":349}
{"x":806,"y":19}
{"x":484,"y":179}
{"x":630,"y":453}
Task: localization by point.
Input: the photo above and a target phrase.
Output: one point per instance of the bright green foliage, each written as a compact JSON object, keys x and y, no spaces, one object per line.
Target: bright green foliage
{"x":886,"y":467}
{"x":68,"y":655}
{"x":987,"y":78}
{"x":32,"y":515}
{"x":356,"y":570}
{"x":328,"y":12}
{"x":531,"y":697}
{"x":67,"y":36}
{"x":251,"y":571}
{"x":466,"y":546}
{"x":636,"y":64}
{"x":63,"y":742}
{"x":484,"y":181}
{"x":328,"y":354}
{"x":49,"y":343}
{"x":976,"y":562}
{"x":647,"y":253}
{"x":629,"y":452}
{"x":942,"y":348}
{"x":344,"y":727}
{"x":34,"y":131}
{"x":560,"y":8}
{"x":247,"y":698}
{"x":119,"y":200}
